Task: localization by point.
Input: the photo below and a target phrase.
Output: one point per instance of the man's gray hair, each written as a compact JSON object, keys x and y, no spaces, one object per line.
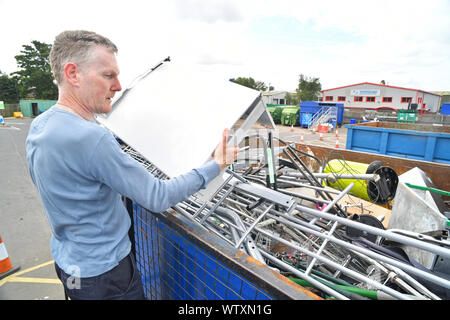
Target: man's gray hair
{"x":75,"y":46}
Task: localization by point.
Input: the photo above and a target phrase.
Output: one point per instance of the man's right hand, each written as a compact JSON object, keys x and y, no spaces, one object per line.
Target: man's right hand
{"x":223,"y":154}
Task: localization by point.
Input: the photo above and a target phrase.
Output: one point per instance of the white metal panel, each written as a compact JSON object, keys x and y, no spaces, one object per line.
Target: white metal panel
{"x":175,"y":115}
{"x":431,"y":102}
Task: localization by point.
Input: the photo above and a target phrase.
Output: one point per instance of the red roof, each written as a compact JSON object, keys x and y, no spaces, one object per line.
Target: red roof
{"x":382,"y":85}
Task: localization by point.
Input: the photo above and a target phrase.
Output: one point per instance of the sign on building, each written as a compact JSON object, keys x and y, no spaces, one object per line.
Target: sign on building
{"x":366,"y":93}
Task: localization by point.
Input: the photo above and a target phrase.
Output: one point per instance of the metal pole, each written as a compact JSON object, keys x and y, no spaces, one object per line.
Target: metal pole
{"x":303,"y":276}
{"x":383,"y":233}
{"x":253,"y":225}
{"x":214,"y":195}
{"x":335,"y":175}
{"x":370,"y":253}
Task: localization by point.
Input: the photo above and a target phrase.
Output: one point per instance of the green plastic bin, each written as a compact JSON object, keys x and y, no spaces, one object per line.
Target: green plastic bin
{"x":407,"y":116}
{"x":275,"y":112}
{"x":289,"y":116}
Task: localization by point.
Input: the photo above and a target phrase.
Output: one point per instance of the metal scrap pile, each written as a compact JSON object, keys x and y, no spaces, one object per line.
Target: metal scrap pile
{"x":274,"y":208}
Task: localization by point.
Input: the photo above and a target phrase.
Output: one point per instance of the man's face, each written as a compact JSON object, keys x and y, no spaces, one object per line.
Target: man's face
{"x":99,"y":81}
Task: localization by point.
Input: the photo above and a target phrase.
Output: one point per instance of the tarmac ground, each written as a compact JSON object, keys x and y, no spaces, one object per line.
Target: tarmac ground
{"x":24,"y":228}
{"x":329,"y":139}
{"x":23,"y":224}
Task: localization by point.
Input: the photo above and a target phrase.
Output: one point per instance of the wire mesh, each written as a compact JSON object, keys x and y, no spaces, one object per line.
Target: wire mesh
{"x":172,"y":267}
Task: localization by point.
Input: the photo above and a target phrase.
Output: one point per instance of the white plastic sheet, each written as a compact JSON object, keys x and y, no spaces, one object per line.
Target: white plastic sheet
{"x":176,"y":114}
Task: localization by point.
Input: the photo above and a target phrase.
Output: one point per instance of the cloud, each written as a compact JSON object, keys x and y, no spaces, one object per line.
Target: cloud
{"x":403,"y":42}
{"x":208,"y":59}
{"x":210,"y":11}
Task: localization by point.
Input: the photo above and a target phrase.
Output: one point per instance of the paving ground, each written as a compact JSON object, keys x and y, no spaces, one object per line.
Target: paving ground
{"x":294,"y":134}
{"x":23,"y":225}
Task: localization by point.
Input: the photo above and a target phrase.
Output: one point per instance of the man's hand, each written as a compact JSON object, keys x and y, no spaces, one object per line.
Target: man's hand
{"x":224,"y":155}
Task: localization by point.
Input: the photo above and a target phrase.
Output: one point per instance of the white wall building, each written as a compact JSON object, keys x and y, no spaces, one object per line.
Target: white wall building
{"x":275,"y":97}
{"x":372,"y":96}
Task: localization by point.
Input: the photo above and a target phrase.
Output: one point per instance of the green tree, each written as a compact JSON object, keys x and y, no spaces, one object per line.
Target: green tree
{"x":35,"y":77}
{"x":308,"y":89}
{"x":292,"y":99}
{"x":8,"y":89}
{"x":251,"y":83}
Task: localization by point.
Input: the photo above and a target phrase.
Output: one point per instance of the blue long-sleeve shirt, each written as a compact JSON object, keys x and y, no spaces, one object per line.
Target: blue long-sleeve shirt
{"x":81,"y":172}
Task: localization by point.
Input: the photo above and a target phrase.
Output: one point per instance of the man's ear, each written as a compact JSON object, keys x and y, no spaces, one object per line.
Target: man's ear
{"x":72,"y":74}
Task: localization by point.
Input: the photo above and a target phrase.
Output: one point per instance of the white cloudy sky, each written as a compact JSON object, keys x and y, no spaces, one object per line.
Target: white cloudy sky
{"x":404,"y":42}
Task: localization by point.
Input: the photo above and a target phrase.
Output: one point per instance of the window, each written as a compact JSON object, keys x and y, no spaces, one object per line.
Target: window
{"x":275,"y":101}
{"x":387,"y":99}
{"x":370,"y":99}
{"x":341,"y":98}
{"x":328,"y":98}
{"x":406,"y":99}
{"x":358,"y":99}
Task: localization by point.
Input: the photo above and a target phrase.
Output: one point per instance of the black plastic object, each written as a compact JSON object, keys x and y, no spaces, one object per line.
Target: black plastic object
{"x":383,"y":190}
{"x":366,"y":219}
{"x":377,"y":164}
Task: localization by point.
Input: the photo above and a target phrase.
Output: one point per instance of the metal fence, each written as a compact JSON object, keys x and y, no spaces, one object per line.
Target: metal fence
{"x":9,"y":110}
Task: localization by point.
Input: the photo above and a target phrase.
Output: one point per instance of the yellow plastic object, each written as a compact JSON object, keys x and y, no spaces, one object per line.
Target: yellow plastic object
{"x":348,"y":167}
{"x":18,"y":115}
{"x":379,"y":191}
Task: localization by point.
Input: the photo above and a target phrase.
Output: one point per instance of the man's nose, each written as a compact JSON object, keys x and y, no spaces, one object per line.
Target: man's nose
{"x":117,"y":86}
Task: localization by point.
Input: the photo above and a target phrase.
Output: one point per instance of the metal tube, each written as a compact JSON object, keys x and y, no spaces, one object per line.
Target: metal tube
{"x":335,"y":265}
{"x":249,"y":244}
{"x":336,"y":175}
{"x":253,"y":225}
{"x":305,"y":197}
{"x":297,"y":184}
{"x":383,"y":233}
{"x":392,"y":275}
{"x":214,"y":194}
{"x":416,"y":284}
{"x":301,"y":275}
{"x":218,"y":202}
{"x":372,"y":254}
{"x":324,"y":194}
{"x":310,"y":266}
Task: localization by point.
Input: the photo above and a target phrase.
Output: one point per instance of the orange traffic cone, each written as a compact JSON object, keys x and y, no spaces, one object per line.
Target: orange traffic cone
{"x":337,"y":135}
{"x":6,"y":267}
{"x":292,"y":128}
{"x":337,"y":143}
{"x":301,"y":139}
{"x":314,"y":130}
{"x":321,"y":136}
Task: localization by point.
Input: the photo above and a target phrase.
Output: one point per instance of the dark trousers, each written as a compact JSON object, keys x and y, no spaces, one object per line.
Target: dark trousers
{"x":123,"y":282}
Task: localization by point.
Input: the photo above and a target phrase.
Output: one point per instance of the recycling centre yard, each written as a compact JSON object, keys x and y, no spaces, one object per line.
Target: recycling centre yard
{"x":215,"y":158}
{"x":317,"y":255}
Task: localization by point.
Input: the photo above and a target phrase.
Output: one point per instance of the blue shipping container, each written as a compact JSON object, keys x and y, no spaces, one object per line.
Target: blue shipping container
{"x":401,"y":140}
{"x":445,"y":108}
{"x":312,"y":107}
{"x":304,"y":118}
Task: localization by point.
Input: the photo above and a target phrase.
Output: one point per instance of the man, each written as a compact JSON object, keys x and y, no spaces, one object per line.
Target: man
{"x":81,"y":173}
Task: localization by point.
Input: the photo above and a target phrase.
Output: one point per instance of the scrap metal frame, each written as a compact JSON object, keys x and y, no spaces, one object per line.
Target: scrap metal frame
{"x":232,"y":234}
